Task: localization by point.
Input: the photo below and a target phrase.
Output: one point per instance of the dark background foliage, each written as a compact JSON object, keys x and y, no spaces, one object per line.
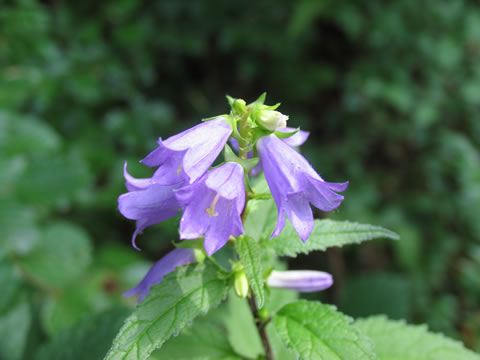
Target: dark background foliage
{"x":389,"y":90}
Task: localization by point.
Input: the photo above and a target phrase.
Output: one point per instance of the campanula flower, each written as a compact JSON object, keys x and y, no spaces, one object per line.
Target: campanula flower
{"x":300,"y":280}
{"x":188,"y":155}
{"x":147,"y":203}
{"x":162,"y":267}
{"x":213,"y":206}
{"x":294,"y":185}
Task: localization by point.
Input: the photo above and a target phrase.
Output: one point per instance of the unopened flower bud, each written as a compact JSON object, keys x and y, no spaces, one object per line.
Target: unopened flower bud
{"x":200,"y":255}
{"x":300,"y":280}
{"x":240,"y":106}
{"x":241,"y":284}
{"x":271,"y":119}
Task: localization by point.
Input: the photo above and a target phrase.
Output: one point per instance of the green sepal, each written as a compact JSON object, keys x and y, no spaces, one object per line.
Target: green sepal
{"x":247,"y":164}
{"x":215,"y":117}
{"x":284,"y":135}
{"x":230,"y":100}
{"x":260,"y":100}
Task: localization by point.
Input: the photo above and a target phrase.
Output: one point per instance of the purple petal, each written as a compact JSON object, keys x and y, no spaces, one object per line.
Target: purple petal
{"x":300,"y":280}
{"x":150,"y":206}
{"x":133,"y":184}
{"x":190,"y":153}
{"x":300,"y":214}
{"x":162,"y":267}
{"x":297,"y":139}
{"x":294,"y":185}
{"x":213,"y":206}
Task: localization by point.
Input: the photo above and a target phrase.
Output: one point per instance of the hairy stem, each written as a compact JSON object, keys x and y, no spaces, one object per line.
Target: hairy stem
{"x":261,"y":328}
{"x":243,"y":130}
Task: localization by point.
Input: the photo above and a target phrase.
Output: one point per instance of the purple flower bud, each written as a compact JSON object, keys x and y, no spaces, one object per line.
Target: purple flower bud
{"x":300,"y":280}
{"x":186,"y":156}
{"x":294,"y":185}
{"x":213,"y":206}
{"x":162,"y":267}
{"x":147,"y":203}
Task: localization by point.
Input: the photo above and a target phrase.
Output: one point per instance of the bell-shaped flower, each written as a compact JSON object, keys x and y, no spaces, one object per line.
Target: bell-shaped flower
{"x":294,"y":185}
{"x":300,"y":280}
{"x":213,"y":206}
{"x":148,"y":203}
{"x":162,"y":267}
{"x":188,"y":155}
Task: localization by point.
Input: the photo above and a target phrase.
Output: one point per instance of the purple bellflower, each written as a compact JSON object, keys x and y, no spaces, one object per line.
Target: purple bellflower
{"x":147,"y":203}
{"x":213,"y":206}
{"x":300,"y":280}
{"x":294,"y":185}
{"x":188,"y":155}
{"x":162,"y":267}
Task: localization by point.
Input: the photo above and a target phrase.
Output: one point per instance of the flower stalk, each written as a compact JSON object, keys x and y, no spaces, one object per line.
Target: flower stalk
{"x":261,"y":327}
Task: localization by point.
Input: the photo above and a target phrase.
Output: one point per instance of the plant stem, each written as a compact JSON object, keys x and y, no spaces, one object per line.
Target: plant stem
{"x":261,"y":329}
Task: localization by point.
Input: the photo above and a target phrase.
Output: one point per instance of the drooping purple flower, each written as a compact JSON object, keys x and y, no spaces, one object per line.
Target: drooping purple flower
{"x":147,"y":203}
{"x":213,"y":206}
{"x":187,"y":155}
{"x":294,"y":185}
{"x":162,"y":267}
{"x":300,"y":280}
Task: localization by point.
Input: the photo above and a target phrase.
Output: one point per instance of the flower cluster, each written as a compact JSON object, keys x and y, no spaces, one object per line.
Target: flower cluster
{"x":212,"y":200}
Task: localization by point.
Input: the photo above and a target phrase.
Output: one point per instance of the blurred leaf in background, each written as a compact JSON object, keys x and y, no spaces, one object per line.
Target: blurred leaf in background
{"x":388,"y":90}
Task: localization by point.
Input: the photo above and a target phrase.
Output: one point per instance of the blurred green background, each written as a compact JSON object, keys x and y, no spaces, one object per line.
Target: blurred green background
{"x":389,"y":90}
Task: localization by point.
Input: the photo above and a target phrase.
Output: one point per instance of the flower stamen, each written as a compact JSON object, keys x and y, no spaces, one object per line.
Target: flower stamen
{"x":211,"y":210}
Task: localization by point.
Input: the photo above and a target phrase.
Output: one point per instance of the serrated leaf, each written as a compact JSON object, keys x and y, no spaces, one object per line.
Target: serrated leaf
{"x":205,"y":339}
{"x":326,"y":233}
{"x":396,"y":340}
{"x":250,"y":254}
{"x":61,"y":256}
{"x":317,"y":331}
{"x":90,"y":337}
{"x":171,"y":305}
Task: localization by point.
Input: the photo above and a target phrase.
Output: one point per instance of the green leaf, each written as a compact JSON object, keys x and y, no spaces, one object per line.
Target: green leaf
{"x":11,"y":282}
{"x":326,"y":233}
{"x":62,"y":311}
{"x":205,"y":339}
{"x":61,"y":256}
{"x":14,"y":328}
{"x":395,"y":340}
{"x":250,"y":254}
{"x":90,"y":337}
{"x":54,"y":180}
{"x":171,"y":305}
{"x":18,"y":229}
{"x":317,"y":331}
{"x":21,"y":134}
